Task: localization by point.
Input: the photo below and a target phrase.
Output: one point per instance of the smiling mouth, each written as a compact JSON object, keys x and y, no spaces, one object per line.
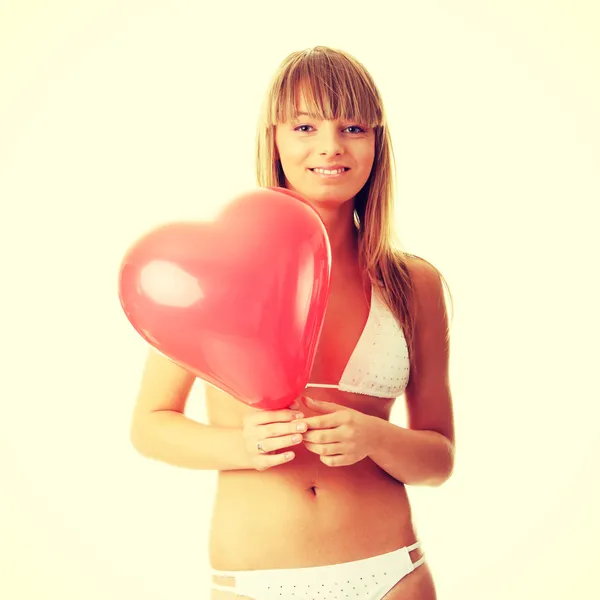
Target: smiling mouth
{"x":327,"y":169}
{"x":330,"y":172}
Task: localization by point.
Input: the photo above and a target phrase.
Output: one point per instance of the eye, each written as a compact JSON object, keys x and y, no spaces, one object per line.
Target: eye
{"x":360,"y":129}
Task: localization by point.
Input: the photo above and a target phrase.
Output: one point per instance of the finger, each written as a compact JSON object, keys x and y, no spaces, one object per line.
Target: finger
{"x":333,"y":449}
{"x":273,"y":460}
{"x":328,"y":421}
{"x":322,"y":436}
{"x":276,"y":430}
{"x":337,"y":460}
{"x":321,"y":406}
{"x":263,"y":417}
{"x":275,"y":444}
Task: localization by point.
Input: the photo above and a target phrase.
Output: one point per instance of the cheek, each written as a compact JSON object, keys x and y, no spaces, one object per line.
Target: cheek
{"x":367,"y":159}
{"x":372,"y":152}
{"x":365,"y":152}
{"x":287,"y":148}
{"x":293,"y":153}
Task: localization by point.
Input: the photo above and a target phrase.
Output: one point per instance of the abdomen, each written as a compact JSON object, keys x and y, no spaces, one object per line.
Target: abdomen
{"x":305,"y":513}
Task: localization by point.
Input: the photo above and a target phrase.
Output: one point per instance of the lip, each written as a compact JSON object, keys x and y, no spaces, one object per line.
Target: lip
{"x":330,"y":167}
{"x":330,"y":177}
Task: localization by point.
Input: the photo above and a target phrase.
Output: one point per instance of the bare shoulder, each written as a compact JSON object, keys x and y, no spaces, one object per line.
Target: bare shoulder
{"x":424,"y":275}
{"x":165,"y":385}
{"x":429,"y":301}
{"x":429,"y":305}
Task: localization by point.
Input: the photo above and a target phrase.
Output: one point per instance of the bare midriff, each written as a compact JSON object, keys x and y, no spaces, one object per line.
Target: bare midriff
{"x":305,"y":513}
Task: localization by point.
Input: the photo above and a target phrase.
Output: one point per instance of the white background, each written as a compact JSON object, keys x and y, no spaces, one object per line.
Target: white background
{"x":118,"y":116}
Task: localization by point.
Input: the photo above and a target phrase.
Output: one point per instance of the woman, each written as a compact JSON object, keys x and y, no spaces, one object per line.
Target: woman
{"x":311,"y":500}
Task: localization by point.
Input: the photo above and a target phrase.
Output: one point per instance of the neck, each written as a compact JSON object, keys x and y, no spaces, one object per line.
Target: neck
{"x":342,"y":233}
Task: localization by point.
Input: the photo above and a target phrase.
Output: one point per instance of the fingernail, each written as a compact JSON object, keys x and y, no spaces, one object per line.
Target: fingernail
{"x":298,"y":415}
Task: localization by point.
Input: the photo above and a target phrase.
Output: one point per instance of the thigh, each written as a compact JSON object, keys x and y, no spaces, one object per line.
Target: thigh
{"x":417,"y":585}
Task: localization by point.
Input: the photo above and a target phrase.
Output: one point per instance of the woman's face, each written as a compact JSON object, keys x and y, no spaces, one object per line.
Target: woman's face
{"x":306,"y":143}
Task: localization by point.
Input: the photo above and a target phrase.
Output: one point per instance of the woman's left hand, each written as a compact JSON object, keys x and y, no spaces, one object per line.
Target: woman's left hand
{"x":341,"y":436}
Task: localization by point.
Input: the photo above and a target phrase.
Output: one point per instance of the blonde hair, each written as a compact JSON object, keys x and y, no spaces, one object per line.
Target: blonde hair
{"x":337,"y":86}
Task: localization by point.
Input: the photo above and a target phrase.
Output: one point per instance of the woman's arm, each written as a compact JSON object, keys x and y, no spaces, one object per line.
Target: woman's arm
{"x":410,"y":456}
{"x":171,"y":437}
{"x":423,"y":453}
{"x":160,"y":430}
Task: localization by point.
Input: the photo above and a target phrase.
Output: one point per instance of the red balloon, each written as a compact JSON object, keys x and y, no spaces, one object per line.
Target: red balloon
{"x":240,"y":302}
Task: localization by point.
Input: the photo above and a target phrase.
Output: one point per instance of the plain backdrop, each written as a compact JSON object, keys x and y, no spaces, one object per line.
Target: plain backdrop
{"x":116,"y":117}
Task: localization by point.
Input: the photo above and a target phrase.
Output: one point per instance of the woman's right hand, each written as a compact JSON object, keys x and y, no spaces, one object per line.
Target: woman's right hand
{"x":274,"y":430}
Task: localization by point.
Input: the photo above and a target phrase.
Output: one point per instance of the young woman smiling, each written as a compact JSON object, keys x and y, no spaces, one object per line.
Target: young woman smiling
{"x":311,"y":500}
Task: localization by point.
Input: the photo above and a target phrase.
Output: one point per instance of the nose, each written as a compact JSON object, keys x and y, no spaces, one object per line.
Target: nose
{"x":329,"y":141}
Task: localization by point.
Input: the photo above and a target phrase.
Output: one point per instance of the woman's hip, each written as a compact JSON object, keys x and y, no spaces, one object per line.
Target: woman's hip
{"x":369,"y":578}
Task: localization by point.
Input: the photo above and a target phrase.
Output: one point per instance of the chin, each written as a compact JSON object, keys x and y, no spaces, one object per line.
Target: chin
{"x":326,"y":195}
{"x":331,"y":197}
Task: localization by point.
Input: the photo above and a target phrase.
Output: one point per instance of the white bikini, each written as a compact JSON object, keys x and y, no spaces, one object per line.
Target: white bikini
{"x":366,"y":579}
{"x":378,"y":366}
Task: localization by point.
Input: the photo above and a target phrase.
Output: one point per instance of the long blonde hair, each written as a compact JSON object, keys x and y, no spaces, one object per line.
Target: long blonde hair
{"x":337,"y":86}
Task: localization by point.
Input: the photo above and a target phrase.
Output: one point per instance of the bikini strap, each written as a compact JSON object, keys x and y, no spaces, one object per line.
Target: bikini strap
{"x":419,"y":561}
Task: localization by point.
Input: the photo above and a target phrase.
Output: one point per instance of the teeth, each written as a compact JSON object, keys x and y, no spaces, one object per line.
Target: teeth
{"x":327,"y":172}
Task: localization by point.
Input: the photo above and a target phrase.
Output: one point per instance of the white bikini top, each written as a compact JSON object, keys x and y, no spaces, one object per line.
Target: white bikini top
{"x":379,"y":364}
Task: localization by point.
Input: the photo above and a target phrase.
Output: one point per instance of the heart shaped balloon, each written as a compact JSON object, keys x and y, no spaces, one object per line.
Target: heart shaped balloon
{"x":239,"y":301}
